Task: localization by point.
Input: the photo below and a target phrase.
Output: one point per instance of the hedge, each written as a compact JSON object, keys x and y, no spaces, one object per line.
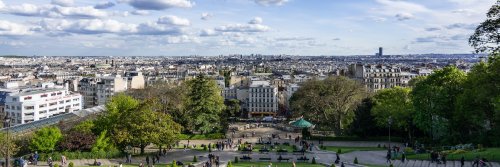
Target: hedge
{"x":56,"y":156}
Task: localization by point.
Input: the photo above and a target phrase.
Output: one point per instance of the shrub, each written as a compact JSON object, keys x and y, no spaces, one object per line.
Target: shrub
{"x":56,"y":165}
{"x":355,"y":160}
{"x":195,"y":159}
{"x":313,"y":161}
{"x":236,"y":159}
{"x":71,"y":164}
{"x":174,"y":164}
{"x":391,"y":165}
{"x":204,"y":147}
{"x":229,"y":164}
{"x":459,"y":151}
{"x":339,"y":151}
{"x":409,"y":150}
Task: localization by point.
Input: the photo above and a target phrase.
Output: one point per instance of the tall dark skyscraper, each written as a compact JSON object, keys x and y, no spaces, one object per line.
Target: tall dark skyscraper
{"x":380,"y":51}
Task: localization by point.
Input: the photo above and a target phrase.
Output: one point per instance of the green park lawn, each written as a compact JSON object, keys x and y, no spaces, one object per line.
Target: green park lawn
{"x":351,"y":149}
{"x":491,"y":154}
{"x":275,"y":164}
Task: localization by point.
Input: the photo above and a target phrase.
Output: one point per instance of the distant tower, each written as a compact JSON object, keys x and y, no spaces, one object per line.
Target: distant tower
{"x":380,"y":51}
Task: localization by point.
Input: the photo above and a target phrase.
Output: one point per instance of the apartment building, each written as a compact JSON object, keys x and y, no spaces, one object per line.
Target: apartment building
{"x":262,"y":99}
{"x":33,"y":104}
{"x":96,"y":91}
{"x":377,"y":77}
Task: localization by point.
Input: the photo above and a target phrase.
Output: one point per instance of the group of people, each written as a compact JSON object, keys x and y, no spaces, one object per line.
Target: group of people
{"x":438,"y":157}
{"x":213,"y":161}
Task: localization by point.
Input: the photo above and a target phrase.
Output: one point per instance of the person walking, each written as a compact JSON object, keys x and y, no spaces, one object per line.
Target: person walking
{"x":147,"y":160}
{"x":35,"y":158}
{"x":388,"y":156}
{"x":49,"y":161}
{"x":403,"y":157}
{"x":462,"y":161}
{"x":63,"y":160}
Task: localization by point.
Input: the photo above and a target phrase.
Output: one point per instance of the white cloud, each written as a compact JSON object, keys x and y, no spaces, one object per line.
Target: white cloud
{"x":243,"y":28}
{"x":8,"y":28}
{"x":65,"y":3}
{"x":404,"y":16}
{"x":13,"y":43}
{"x":294,"y":39}
{"x":140,"y":12}
{"x":206,"y":16}
{"x":208,"y":32}
{"x":173,"y":20}
{"x":270,"y":2}
{"x":98,"y":26}
{"x":256,"y":20}
{"x":104,"y":5}
{"x":2,"y":5}
{"x":159,"y":4}
{"x":181,"y":39}
{"x":54,"y":11}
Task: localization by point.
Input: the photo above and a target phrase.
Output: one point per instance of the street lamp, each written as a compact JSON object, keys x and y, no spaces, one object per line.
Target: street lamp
{"x":390,"y":123}
{"x":6,"y":124}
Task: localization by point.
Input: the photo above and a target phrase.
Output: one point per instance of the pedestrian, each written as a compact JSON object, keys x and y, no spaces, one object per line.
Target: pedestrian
{"x":462,"y":161}
{"x":49,"y":161}
{"x":342,"y":165}
{"x":147,"y":160}
{"x":120,"y":164}
{"x":443,"y":158}
{"x":388,"y":156}
{"x":337,"y":160}
{"x":35,"y":158}
{"x":403,"y":157}
{"x":63,"y":160}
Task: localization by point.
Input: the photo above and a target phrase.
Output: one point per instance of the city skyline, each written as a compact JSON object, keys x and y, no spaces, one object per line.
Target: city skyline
{"x":214,"y":27}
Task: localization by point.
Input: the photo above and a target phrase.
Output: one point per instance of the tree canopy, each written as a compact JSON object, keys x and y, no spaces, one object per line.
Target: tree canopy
{"x":328,"y":103}
{"x":486,"y":38}
{"x":204,"y":104}
{"x":45,"y":139}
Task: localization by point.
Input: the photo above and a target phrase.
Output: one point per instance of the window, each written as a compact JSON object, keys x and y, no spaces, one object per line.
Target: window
{"x":67,"y":101}
{"x":42,"y":105}
{"x":61,"y":102}
{"x":61,"y":108}
{"x":59,"y":93}
{"x":52,"y":94}
{"x":14,"y":99}
{"x":44,"y":95}
{"x":27,"y":98}
{"x":18,"y":107}
{"x":76,"y":99}
{"x":7,"y":106}
{"x":54,"y":109}
{"x":43,"y":112}
{"x":29,"y":107}
{"x":77,"y":104}
{"x":51,"y":104}
{"x":29,"y":114}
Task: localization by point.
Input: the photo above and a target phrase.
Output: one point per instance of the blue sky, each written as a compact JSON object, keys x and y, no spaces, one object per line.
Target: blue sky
{"x":215,"y":27}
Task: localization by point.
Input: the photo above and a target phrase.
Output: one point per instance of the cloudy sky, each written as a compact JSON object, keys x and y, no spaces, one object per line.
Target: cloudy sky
{"x":214,"y":27}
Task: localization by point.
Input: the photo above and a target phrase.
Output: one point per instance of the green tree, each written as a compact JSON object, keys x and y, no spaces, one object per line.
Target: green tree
{"x":84,"y":127}
{"x":396,"y":104}
{"x":434,"y":99}
{"x":45,"y":139}
{"x":329,"y":103}
{"x":205,"y":104}
{"x":476,"y":105}
{"x":102,"y":143}
{"x":130,"y":123}
{"x":486,"y":38}
{"x":7,"y":145}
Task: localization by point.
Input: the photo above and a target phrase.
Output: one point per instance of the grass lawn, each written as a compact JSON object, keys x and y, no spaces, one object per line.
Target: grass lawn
{"x":491,"y":154}
{"x":351,"y":149}
{"x":275,"y":164}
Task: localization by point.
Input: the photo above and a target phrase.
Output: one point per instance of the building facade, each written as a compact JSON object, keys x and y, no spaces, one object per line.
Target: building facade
{"x":262,"y":99}
{"x":33,"y":104}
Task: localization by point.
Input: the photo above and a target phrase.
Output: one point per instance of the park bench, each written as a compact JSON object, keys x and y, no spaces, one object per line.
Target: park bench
{"x":264,"y":150}
{"x":265,"y":159}
{"x":298,"y":152}
{"x":246,"y":158}
{"x":302,"y":159}
{"x":283,"y":159}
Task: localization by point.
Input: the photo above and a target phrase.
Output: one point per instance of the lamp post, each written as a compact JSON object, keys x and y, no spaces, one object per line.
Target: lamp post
{"x":6,"y":124}
{"x":390,"y":123}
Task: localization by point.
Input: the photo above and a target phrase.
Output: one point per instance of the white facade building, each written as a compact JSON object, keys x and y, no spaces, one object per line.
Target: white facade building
{"x":96,"y":91}
{"x":33,"y":104}
{"x":262,"y":99}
